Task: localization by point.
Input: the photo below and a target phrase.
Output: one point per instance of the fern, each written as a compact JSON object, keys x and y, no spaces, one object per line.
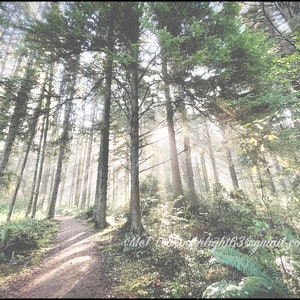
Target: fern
{"x":231,"y":257}
{"x":249,"y":287}
{"x":260,"y":281}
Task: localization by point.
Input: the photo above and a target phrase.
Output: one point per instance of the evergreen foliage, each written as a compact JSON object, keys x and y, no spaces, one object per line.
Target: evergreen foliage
{"x":269,"y":277}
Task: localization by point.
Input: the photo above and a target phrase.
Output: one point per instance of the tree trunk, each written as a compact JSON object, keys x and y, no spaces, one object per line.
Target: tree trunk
{"x":102,"y":173}
{"x":176,"y":179}
{"x":78,"y":180}
{"x":232,"y":171}
{"x":135,"y":209}
{"x":87,"y":164}
{"x":193,"y":199}
{"x":61,"y":153}
{"x":204,"y":171}
{"x":69,"y":80}
{"x":33,"y":193}
{"x":62,"y":147}
{"x":14,"y":196}
{"x":42,"y":151}
{"x":41,"y":156}
{"x":212,"y":157}
{"x":32,"y":131}
{"x":16,"y":119}
{"x":44,"y":186}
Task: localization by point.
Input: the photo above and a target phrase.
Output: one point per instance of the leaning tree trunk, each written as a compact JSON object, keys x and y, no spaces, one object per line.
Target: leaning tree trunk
{"x":32,"y":131}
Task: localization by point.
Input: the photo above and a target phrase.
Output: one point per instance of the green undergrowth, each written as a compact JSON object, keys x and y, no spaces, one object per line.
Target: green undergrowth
{"x":22,"y":243}
{"x":230,"y":248}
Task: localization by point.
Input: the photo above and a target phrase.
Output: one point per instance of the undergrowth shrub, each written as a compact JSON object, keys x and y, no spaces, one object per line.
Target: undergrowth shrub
{"x":17,"y":237}
{"x":177,"y":258}
{"x":174,"y":265}
{"x":228,"y":213}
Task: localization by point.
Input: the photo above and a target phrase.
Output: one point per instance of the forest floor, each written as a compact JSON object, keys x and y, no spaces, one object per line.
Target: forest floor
{"x":74,"y":267}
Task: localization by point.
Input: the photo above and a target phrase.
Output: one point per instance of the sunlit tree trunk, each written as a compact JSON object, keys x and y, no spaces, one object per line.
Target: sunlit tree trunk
{"x":78,"y":180}
{"x":73,"y":176}
{"x":87,"y":164}
{"x":212,"y":156}
{"x":204,"y":172}
{"x":62,"y":185}
{"x":90,"y":195}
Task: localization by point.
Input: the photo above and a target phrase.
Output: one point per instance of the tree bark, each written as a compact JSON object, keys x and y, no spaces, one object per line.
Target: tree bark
{"x":102,"y":173}
{"x":69,"y":80}
{"x":32,"y":131}
{"x":135,"y":209}
{"x":204,"y":172}
{"x":87,"y":164}
{"x":192,"y":195}
{"x":61,"y":152}
{"x":176,"y":179}
{"x":212,"y":157}
{"x":233,"y":175}
{"x":42,"y":150}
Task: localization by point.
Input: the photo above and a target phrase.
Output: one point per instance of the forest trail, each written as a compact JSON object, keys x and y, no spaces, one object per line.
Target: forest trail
{"x":73,"y":268}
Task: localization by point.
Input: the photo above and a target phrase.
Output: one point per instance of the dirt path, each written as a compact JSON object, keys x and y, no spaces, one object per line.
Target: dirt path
{"x":74,"y":268}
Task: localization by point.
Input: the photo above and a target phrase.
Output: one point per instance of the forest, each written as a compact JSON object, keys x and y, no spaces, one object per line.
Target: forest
{"x":175,"y":122}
